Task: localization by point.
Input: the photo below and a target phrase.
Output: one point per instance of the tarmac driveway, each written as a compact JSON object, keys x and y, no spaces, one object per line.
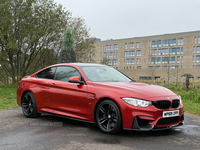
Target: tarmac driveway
{"x":52,"y":133}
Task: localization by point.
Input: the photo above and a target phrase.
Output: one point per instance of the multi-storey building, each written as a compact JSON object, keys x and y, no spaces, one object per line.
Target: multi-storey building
{"x":166,"y":57}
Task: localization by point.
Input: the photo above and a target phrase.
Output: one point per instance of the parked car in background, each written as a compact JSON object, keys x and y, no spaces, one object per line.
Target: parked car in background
{"x":99,"y":94}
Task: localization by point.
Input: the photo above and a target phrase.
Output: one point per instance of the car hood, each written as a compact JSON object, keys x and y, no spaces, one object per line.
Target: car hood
{"x":136,"y":89}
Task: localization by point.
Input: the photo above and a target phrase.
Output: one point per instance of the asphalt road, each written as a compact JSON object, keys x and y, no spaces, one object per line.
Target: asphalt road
{"x":55,"y":133}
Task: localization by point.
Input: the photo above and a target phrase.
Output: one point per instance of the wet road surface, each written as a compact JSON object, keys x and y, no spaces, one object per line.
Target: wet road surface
{"x":55,"y":133}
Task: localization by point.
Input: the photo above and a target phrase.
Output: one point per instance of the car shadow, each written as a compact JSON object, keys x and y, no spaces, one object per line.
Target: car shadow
{"x":92,"y":127}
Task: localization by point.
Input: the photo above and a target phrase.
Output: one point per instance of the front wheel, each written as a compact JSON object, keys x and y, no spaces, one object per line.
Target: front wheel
{"x":29,"y":107}
{"x":108,"y":117}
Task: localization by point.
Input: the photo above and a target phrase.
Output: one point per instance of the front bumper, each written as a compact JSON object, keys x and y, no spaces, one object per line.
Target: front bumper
{"x":150,"y":118}
{"x":162,"y":124}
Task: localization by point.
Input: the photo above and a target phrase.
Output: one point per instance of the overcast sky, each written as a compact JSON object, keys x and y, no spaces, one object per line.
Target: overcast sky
{"x":118,"y":19}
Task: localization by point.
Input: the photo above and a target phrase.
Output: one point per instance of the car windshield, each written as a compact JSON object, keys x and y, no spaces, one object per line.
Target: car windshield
{"x":104,"y":74}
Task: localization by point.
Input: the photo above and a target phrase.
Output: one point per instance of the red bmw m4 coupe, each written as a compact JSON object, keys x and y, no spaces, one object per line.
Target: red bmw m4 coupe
{"x":99,"y":94}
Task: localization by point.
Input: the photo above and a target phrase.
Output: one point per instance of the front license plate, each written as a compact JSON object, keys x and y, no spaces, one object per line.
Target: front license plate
{"x":170,"y":113}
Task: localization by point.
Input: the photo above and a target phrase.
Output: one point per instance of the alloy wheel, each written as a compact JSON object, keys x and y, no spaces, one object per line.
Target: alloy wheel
{"x":108,"y":117}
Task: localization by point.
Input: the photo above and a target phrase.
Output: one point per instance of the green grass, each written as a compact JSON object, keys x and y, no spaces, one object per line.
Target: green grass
{"x":191,"y":99}
{"x":8,"y":97}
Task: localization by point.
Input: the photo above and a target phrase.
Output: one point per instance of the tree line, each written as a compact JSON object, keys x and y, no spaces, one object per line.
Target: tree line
{"x":31,"y":33}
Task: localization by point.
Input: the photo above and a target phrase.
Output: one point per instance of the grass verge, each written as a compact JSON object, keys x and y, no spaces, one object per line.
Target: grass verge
{"x":191,"y":99}
{"x":8,"y":97}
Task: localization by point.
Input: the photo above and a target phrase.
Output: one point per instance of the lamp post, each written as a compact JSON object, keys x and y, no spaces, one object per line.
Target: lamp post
{"x":170,"y":63}
{"x":185,"y":62}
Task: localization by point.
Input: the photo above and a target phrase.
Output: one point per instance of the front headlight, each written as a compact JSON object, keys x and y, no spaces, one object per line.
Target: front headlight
{"x":180,"y":99}
{"x":137,"y":102}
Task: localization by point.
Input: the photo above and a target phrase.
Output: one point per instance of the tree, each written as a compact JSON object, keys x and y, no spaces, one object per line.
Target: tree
{"x":31,"y":34}
{"x":151,"y":69}
{"x":83,"y":44}
{"x":105,"y":61}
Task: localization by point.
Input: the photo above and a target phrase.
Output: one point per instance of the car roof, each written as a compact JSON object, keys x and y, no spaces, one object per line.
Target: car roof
{"x":83,"y":64}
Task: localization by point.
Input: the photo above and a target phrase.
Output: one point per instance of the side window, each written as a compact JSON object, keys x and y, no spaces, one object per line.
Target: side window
{"x":47,"y":73}
{"x":63,"y":73}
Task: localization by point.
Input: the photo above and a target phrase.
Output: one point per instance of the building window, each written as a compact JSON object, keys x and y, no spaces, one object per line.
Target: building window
{"x":156,"y":43}
{"x":125,"y":45}
{"x":144,"y":78}
{"x":193,"y":58}
{"x":114,"y":54}
{"x":157,"y":67}
{"x":174,"y":66}
{"x":127,"y":67}
{"x":129,"y":53}
{"x":198,"y":40}
{"x":150,"y":67}
{"x":166,"y":60}
{"x":198,"y":49}
{"x":130,"y":67}
{"x":139,"y":53}
{"x":163,"y":51}
{"x":165,"y":42}
{"x":130,"y":61}
{"x":138,"y":45}
{"x":197,"y":66}
{"x":172,"y":42}
{"x":110,"y":54}
{"x":139,"y":67}
{"x":181,"y":50}
{"x":155,"y":60}
{"x":198,"y":58}
{"x":172,"y":60}
{"x":164,"y":67}
{"x":174,"y":51}
{"x":178,"y":59}
{"x":180,"y":41}
{"x":153,"y":67}
{"x":150,"y":44}
{"x":193,"y":66}
{"x":194,"y":50}
{"x":131,"y":45}
{"x":112,"y":62}
{"x":109,"y":47}
{"x":105,"y":54}
{"x":154,"y":52}
{"x":116,"y":47}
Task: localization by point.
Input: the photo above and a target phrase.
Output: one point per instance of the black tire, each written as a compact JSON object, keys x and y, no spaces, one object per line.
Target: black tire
{"x":29,"y":107}
{"x":108,"y":117}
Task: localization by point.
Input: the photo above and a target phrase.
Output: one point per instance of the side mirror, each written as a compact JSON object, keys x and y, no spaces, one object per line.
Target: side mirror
{"x":75,"y":80}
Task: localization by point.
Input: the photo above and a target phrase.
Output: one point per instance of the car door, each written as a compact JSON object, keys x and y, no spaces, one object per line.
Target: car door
{"x":66,"y":96}
{"x":41,"y":86}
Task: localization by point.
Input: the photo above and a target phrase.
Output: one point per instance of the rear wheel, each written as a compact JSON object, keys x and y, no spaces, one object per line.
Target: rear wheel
{"x":108,"y":117}
{"x":29,"y":107}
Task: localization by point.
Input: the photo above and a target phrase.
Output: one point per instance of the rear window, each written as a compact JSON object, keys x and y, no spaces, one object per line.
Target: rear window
{"x":47,"y":73}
